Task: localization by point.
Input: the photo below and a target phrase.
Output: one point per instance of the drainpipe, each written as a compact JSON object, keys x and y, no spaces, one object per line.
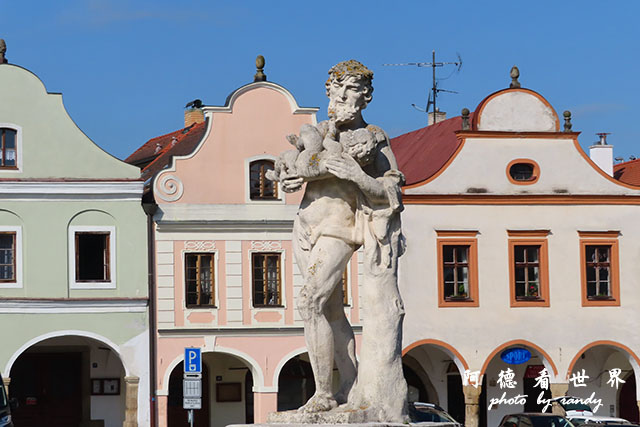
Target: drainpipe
{"x":150,"y":209}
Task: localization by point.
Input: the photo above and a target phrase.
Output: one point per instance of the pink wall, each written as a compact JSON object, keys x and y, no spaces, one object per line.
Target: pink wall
{"x":260,"y":120}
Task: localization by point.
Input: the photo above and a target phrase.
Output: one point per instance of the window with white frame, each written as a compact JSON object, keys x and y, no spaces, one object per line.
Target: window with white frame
{"x":10,"y":256}
{"x":8,"y":148}
{"x":261,"y":188}
{"x":92,"y":257}
{"x":267,"y":281}
{"x":199,"y":279}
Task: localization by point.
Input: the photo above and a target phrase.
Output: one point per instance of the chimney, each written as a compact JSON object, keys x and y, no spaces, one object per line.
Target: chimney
{"x":601,"y":154}
{"x":193,"y":113}
{"x":440,"y":116}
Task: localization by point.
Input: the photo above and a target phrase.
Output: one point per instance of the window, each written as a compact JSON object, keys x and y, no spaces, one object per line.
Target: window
{"x":523,"y":172}
{"x":7,"y":257}
{"x":266,"y":279}
{"x":527,"y":271}
{"x":599,"y":259}
{"x":92,"y":257}
{"x":8,"y":148}
{"x":457,"y":268}
{"x":528,"y":268}
{"x":199,"y":280}
{"x":261,"y":188}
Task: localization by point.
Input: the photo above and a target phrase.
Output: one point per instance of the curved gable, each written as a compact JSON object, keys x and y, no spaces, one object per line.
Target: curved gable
{"x":51,"y":144}
{"x":516,"y":110}
{"x":254,"y":122}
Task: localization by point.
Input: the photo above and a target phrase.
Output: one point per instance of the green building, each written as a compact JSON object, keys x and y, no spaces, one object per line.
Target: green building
{"x":74,"y":334}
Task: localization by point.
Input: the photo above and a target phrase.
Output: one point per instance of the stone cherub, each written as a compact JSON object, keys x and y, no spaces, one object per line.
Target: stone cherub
{"x":351,"y":200}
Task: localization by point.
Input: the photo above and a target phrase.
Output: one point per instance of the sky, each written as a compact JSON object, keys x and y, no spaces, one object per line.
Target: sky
{"x":126,"y":68}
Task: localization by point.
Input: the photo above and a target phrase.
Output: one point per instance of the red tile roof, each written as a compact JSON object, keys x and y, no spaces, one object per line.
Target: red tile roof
{"x":421,"y":153}
{"x":155,"y":154}
{"x":628,"y":172}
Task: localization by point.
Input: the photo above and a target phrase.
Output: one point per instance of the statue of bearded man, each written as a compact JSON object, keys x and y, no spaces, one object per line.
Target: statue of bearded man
{"x":352,"y":199}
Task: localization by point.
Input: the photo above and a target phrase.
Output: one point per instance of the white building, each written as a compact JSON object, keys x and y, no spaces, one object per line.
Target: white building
{"x":516,"y":240}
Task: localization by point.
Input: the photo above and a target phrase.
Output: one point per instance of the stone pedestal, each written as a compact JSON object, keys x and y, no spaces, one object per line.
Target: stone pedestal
{"x":558,"y":390}
{"x":6,"y":382}
{"x":430,"y":424}
{"x":131,"y":402}
{"x":471,"y":405}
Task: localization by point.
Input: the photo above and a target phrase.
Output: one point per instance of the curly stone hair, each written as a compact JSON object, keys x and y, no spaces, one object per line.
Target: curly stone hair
{"x":352,"y":68}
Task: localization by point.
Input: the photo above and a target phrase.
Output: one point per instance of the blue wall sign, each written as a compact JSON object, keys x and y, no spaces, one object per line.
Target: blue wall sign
{"x":192,"y":360}
{"x":515,"y":356}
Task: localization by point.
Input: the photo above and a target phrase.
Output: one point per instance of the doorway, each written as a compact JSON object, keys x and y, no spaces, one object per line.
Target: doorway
{"x":48,"y":387}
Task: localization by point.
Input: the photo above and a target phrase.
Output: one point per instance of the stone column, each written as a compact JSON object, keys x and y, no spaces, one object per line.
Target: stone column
{"x":558,"y":390}
{"x":263,"y":403}
{"x":131,"y":401}
{"x":471,"y":405}
{"x":6,"y":381}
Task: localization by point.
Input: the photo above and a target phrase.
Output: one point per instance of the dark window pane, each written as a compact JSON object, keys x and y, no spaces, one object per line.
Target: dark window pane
{"x":92,"y":257}
{"x":603,"y":254}
{"x":447,"y":253}
{"x":521,"y":172}
{"x":520,"y":287}
{"x":532,"y":253}
{"x":518,"y":253}
{"x":9,"y":138}
{"x":591,"y":289}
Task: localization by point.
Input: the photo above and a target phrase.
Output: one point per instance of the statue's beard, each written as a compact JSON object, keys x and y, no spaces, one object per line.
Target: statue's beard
{"x":342,"y":112}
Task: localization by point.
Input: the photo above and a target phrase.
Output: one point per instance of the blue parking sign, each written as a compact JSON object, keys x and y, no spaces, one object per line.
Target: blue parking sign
{"x":192,"y":360}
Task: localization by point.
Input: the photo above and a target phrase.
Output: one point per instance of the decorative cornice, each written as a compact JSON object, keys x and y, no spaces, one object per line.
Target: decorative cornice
{"x":52,"y":190}
{"x":240,"y":331}
{"x":284,"y":225}
{"x":81,"y":305}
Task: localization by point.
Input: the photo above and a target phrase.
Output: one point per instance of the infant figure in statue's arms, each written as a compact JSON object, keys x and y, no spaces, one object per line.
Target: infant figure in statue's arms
{"x":319,"y":143}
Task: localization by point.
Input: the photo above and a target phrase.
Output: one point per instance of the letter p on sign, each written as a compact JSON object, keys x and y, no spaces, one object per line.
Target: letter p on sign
{"x":192,"y":360}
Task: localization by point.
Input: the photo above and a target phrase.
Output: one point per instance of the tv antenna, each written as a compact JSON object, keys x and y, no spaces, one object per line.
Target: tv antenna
{"x":433,"y":94}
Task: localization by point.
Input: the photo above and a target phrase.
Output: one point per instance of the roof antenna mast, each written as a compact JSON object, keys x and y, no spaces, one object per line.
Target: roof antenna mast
{"x":433,"y":94}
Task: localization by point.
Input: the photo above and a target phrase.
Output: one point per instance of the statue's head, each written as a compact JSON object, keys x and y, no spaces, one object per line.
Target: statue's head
{"x":349,"y":90}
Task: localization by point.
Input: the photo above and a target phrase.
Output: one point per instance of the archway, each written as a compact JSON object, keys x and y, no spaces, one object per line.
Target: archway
{"x":68,"y":381}
{"x":510,"y":378}
{"x":227,"y":395}
{"x":176,"y":415}
{"x":601,"y":362}
{"x":433,"y":370}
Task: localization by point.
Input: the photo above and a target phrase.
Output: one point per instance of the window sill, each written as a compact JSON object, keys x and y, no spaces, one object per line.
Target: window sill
{"x":596,"y":301}
{"x":458,"y":302}
{"x":600,"y":298}
{"x":268,"y":306}
{"x":530,"y":302}
{"x":529,"y":298}
{"x":200,"y":307}
{"x":92,"y":285}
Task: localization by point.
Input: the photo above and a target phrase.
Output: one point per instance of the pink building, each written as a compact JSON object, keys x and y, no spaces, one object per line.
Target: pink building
{"x":226,"y":280}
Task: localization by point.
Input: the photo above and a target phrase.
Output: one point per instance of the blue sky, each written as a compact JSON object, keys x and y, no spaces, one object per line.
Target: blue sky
{"x":126,"y":68}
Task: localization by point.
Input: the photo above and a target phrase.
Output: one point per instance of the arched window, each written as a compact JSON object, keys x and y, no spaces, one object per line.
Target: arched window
{"x":8,"y":148}
{"x":261,"y":188}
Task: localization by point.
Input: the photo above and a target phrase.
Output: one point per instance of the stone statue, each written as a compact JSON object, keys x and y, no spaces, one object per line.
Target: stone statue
{"x":352,"y":199}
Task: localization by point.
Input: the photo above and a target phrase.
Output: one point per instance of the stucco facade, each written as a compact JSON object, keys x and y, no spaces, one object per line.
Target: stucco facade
{"x":206,"y":210}
{"x":72,"y":322}
{"x":564,"y":207}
